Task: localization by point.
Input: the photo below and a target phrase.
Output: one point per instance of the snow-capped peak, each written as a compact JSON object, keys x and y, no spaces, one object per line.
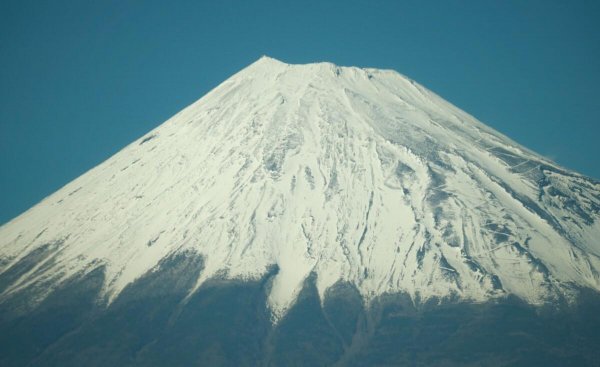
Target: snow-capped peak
{"x":355,"y":175}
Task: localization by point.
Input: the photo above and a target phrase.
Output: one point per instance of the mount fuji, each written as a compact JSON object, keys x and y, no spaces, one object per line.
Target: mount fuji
{"x":309,"y":215}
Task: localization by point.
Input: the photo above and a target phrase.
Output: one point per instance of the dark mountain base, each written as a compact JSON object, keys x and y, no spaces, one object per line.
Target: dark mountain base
{"x":226,"y":323}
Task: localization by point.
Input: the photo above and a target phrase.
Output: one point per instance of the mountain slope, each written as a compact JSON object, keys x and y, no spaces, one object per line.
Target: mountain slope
{"x":354,"y":175}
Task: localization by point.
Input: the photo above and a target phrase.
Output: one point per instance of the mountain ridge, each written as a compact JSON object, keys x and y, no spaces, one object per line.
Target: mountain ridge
{"x":355,"y":175}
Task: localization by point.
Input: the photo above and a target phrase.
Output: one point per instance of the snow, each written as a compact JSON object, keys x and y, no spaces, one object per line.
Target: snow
{"x":355,"y":175}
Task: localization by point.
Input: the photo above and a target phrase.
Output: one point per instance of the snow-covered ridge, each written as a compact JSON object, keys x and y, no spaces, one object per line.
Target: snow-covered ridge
{"x":357,"y":175}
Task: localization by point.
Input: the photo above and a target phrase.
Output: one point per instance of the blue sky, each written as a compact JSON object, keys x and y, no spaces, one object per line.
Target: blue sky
{"x":81,"y":79}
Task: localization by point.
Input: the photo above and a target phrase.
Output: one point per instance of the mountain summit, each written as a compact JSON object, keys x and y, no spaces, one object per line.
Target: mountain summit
{"x":342,"y":174}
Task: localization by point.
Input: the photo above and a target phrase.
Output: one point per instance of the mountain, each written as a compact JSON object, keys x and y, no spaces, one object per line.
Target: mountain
{"x":332,"y":209}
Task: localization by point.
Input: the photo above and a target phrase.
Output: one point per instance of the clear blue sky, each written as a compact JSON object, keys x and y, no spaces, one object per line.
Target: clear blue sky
{"x":81,"y":79}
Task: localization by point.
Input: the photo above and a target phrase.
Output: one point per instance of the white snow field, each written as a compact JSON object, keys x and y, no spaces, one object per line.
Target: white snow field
{"x":356,"y":175}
